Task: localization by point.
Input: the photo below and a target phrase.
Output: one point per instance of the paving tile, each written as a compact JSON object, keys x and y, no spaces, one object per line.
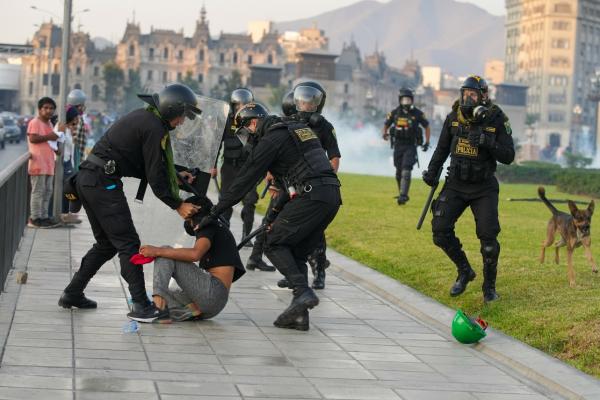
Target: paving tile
{"x":13,"y":393}
{"x":207,"y":389}
{"x":433,"y":395}
{"x":35,"y":356}
{"x":358,"y":393}
{"x":100,"y":384}
{"x":116,"y":396}
{"x":277,"y":391}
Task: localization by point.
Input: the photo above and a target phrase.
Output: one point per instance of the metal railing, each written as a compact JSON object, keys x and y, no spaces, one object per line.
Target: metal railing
{"x":14,"y":210}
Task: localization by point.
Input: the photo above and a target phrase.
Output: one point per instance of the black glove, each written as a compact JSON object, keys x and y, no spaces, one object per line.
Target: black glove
{"x":430,"y":178}
{"x":487,"y":140}
{"x":474,"y":135}
{"x":425,"y":147}
{"x":210,"y":219}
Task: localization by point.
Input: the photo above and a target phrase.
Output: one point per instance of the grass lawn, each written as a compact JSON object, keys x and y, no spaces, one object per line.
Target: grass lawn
{"x":537,"y":305}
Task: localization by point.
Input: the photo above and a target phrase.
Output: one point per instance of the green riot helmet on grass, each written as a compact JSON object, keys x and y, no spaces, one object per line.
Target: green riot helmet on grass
{"x":466,"y":330}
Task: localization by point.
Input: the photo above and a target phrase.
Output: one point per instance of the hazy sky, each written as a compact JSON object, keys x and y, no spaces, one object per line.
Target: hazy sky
{"x":107,"y":18}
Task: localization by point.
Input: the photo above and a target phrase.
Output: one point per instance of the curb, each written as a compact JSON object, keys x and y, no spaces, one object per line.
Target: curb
{"x":535,"y":365}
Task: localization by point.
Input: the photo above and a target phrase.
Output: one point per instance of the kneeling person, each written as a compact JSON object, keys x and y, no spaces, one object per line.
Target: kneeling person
{"x":202,"y":289}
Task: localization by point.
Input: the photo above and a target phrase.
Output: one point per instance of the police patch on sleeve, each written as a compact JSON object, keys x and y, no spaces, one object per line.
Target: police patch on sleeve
{"x":333,"y":133}
{"x":305,"y":134}
{"x":507,"y":127}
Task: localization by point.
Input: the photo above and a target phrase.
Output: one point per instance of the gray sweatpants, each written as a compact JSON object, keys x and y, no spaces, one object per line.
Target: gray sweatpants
{"x":41,"y":192}
{"x":194,"y":292}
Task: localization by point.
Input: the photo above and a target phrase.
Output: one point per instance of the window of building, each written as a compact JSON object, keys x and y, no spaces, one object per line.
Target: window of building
{"x":179,"y":76}
{"x":95,"y":93}
{"x":149,"y":75}
{"x":201,"y":55}
{"x":270,"y":59}
{"x":77,"y":86}
{"x":96,"y":71}
{"x":221,"y":58}
{"x":30,"y":88}
{"x":78,"y":70}
{"x":131,"y":50}
{"x":561,"y":25}
{"x":554,"y":139}
{"x":150,"y":54}
{"x":345,"y":88}
{"x":200,"y":78}
{"x":563,"y":8}
{"x":558,"y":80}
{"x":557,"y":98}
{"x":249,"y":58}
{"x":560,"y":43}
{"x":561,"y":62}
{"x":180,"y":55}
{"x":166,"y":53}
{"x":556,"y":116}
{"x":235,"y":57}
{"x":165,"y":76}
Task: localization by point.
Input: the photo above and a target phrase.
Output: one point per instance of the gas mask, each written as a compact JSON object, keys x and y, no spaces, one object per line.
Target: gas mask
{"x":468,"y":102}
{"x":406,"y":103}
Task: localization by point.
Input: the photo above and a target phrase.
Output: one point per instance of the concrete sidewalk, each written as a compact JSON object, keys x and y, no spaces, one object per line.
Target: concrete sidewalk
{"x":370,"y":338}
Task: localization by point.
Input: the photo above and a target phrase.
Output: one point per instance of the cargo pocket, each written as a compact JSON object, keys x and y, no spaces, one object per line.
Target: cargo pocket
{"x":438,"y":207}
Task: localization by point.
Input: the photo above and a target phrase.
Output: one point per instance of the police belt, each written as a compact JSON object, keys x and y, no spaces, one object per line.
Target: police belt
{"x":308,"y":185}
{"x":108,"y":166}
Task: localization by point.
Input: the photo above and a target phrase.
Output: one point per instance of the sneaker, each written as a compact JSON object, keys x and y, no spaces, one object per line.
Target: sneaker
{"x":147,"y":314}
{"x":47,"y":223}
{"x":70,"y":219}
{"x":34,"y":223}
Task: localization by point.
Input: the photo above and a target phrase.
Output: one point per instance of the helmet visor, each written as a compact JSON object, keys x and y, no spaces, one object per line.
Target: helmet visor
{"x":406,"y":101}
{"x":191,"y":111}
{"x":470,"y":97}
{"x":307,"y":98}
{"x":241,"y":96}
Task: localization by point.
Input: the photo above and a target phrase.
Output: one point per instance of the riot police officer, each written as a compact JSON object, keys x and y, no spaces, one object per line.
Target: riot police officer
{"x":402,"y":127}
{"x":236,"y":147}
{"x":326,"y":134}
{"x":137,"y":145}
{"x":476,"y":135}
{"x":292,"y":152}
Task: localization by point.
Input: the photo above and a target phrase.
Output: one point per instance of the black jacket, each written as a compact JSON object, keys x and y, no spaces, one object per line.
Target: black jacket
{"x":135,"y":142}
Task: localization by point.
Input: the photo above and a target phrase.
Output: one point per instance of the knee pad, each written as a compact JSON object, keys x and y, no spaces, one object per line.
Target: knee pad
{"x":490,"y":250}
{"x":446,"y":241}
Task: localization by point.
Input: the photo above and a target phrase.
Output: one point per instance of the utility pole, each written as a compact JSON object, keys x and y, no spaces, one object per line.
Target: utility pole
{"x":62,"y":101}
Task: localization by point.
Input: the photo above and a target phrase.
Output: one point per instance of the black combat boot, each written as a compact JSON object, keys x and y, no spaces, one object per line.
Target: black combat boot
{"x":301,"y":322}
{"x":319,"y":281}
{"x":404,"y":186}
{"x":489,"y":282}
{"x":258,"y":264}
{"x":283,"y":283}
{"x":465,"y":275}
{"x":304,"y":299}
{"x":68,"y":300}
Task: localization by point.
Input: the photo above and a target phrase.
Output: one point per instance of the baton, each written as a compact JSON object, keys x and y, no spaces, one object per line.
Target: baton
{"x":265,"y":190}
{"x":252,"y":234}
{"x":429,"y":199}
{"x":217,"y":184}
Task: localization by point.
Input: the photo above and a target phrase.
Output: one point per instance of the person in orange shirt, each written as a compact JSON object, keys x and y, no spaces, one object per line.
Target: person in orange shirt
{"x":41,"y":163}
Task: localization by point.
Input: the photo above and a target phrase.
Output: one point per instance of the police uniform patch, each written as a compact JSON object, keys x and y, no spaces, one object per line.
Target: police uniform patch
{"x":464,"y":148}
{"x":490,"y":129}
{"x":402,"y":122}
{"x":507,"y":127}
{"x":454,"y":123}
{"x":333,"y":133}
{"x":305,"y":134}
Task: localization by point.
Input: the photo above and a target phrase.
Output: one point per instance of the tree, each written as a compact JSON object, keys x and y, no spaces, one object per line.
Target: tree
{"x":223,"y":89}
{"x":276,"y":97}
{"x":575,"y":160}
{"x":113,"y":79}
{"x":190,"y":82}
{"x":132,"y":89}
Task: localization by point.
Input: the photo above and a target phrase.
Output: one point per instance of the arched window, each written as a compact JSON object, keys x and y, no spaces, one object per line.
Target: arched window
{"x":77,"y":86}
{"x":95,"y":93}
{"x":270,"y":59}
{"x":201,"y":55}
{"x":131,"y":50}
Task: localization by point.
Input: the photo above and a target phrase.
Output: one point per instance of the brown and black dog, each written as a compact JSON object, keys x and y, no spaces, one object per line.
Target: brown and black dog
{"x":574,"y":230}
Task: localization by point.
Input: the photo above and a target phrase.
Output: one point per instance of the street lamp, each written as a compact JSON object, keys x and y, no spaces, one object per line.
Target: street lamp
{"x":43,"y":10}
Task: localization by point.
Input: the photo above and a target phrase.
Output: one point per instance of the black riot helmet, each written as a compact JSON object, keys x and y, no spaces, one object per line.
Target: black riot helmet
{"x":248,"y":112}
{"x":174,"y":101}
{"x":309,"y":96}
{"x":239,"y":97}
{"x":288,"y":107}
{"x":473,"y":93}
{"x":406,"y":98}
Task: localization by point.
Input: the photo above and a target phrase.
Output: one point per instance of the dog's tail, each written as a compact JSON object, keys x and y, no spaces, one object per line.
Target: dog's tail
{"x":542,"y":194}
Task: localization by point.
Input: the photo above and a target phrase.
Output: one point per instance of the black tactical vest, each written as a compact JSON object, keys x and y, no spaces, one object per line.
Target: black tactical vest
{"x":406,"y":127}
{"x":468,"y":163}
{"x":313,"y":167}
{"x":233,"y":148}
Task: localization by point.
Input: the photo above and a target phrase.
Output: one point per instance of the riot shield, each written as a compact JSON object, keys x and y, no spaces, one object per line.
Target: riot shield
{"x":196,"y":142}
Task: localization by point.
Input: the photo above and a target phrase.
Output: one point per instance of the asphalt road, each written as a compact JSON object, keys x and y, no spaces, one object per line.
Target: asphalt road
{"x":10,"y":153}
